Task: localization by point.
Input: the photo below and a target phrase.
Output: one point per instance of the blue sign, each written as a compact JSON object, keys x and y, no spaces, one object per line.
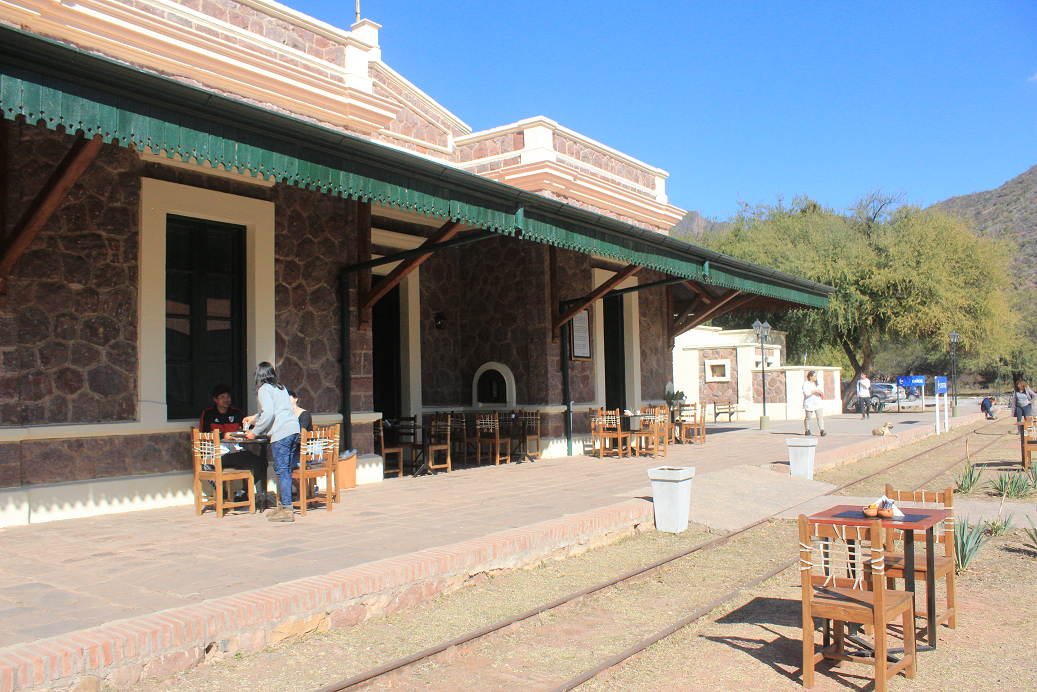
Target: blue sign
{"x":911,"y":380}
{"x":941,"y":385}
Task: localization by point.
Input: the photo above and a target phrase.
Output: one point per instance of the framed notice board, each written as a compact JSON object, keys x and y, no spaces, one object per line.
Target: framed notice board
{"x":580,"y":335}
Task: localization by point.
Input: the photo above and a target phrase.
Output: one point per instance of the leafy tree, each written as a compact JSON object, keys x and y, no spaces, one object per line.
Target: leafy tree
{"x":901,"y":274}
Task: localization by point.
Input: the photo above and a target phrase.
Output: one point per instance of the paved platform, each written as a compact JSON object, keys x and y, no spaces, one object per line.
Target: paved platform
{"x":147,"y":593}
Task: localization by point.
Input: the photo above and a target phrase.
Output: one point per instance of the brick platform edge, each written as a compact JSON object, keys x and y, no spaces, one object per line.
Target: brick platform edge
{"x":833,"y":458}
{"x":161,"y":644}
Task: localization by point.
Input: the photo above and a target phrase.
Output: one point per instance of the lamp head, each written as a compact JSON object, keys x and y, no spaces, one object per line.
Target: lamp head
{"x":954,"y":336}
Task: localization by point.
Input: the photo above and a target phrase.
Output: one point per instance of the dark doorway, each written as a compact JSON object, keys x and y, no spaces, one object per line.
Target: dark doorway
{"x":386,"y":370}
{"x":615,"y":356}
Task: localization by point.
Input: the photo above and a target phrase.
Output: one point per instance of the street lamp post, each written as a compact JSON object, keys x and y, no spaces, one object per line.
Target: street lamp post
{"x":954,"y":336}
{"x":762,"y":331}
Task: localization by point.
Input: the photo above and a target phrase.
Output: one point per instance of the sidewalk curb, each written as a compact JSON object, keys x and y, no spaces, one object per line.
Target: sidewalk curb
{"x":169,"y":641}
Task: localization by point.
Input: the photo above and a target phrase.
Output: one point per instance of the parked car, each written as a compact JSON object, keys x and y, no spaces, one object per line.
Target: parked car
{"x":882,"y":393}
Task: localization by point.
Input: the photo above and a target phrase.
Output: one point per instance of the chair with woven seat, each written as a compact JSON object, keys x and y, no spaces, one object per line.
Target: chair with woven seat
{"x":842,"y":581}
{"x":208,"y":468}
{"x":610,"y":428}
{"x":407,"y":430}
{"x":944,"y":564}
{"x":487,"y":426}
{"x":316,"y":460}
{"x":653,"y":433}
{"x":531,"y":426}
{"x":692,"y":423}
{"x":385,"y":452}
{"x":1028,"y":431}
{"x":458,"y":437}
{"x":439,"y":441}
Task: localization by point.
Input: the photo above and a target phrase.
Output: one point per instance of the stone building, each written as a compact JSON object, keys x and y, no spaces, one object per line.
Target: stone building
{"x":187,"y":187}
{"x":725,"y":366}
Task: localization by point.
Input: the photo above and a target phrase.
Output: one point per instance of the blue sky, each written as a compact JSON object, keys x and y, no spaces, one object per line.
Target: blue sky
{"x":742,"y":100}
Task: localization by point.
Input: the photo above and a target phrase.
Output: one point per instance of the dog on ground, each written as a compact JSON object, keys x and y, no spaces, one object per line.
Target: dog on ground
{"x":886,"y":429}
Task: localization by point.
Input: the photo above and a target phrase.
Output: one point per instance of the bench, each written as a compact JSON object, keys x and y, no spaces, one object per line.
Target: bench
{"x":729,"y":409}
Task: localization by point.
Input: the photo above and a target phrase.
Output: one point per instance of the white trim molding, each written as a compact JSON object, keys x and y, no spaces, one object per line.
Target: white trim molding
{"x":509,"y":382}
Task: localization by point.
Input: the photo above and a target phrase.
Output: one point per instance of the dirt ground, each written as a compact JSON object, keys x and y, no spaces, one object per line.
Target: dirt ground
{"x":752,"y":643}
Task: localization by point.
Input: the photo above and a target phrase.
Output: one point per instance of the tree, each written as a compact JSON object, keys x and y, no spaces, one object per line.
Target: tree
{"x":900,"y":274}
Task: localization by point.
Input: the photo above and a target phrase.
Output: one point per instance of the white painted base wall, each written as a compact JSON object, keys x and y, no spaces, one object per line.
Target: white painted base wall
{"x":36,"y":504}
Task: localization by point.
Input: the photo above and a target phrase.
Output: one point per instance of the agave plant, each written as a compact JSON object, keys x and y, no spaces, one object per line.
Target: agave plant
{"x":1031,"y":533}
{"x":996,"y":527}
{"x":969,"y":479}
{"x":1011,"y":484}
{"x":967,"y":542}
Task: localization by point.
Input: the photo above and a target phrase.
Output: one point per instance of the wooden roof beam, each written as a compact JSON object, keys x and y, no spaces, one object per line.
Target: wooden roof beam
{"x":79,"y":157}
{"x":582,"y":303}
{"x":404,"y":268}
{"x":728,"y":301}
{"x":706,"y":298}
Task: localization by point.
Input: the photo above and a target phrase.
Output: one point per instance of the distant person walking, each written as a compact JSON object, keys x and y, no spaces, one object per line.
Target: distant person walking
{"x":813,"y":403}
{"x":864,"y":396}
{"x":1022,"y":400}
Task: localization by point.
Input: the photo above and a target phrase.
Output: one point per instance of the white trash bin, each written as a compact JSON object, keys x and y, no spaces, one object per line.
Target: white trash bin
{"x":671,"y":495}
{"x":801,"y":456}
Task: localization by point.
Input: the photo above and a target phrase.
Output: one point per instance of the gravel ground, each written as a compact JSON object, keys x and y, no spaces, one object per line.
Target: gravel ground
{"x":752,"y":643}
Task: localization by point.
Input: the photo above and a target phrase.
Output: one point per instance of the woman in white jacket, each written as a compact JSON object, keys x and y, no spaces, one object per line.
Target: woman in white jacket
{"x":277,"y":418}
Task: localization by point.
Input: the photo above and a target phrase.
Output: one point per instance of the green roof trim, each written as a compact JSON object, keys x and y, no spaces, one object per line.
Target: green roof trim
{"x":50,"y":82}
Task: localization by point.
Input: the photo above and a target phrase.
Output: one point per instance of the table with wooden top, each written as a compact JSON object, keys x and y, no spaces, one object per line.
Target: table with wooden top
{"x":914,"y":519}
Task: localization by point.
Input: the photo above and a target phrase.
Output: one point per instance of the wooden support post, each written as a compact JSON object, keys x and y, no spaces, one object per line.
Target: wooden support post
{"x":65,"y":175}
{"x":552,"y":256}
{"x":404,"y":268}
{"x":669,"y":308}
{"x":582,"y":303}
{"x":363,"y":254}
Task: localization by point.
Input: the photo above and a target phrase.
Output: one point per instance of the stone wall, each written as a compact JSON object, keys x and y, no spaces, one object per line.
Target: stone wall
{"x":493,"y":298}
{"x":598,"y":159}
{"x":722,"y":392}
{"x":656,"y":345}
{"x":68,"y":326}
{"x":493,"y":146}
{"x":776,"y":389}
{"x":415,"y":119}
{"x":603,"y":211}
{"x":256,"y":22}
{"x":33,"y":462}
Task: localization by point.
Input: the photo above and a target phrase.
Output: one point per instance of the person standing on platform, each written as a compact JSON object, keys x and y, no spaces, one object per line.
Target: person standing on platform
{"x":864,"y":395}
{"x":1022,"y":400}
{"x":813,"y":403}
{"x":277,"y":418}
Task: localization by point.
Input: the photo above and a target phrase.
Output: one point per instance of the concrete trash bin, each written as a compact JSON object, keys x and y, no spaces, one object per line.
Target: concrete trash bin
{"x":801,"y":456}
{"x":671,"y":495}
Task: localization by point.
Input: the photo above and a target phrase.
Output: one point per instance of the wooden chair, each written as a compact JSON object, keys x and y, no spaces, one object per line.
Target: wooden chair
{"x":1029,"y":436}
{"x":672,"y":422}
{"x":408,"y":429}
{"x":459,"y":436}
{"x":531,"y":421}
{"x":206,"y":449}
{"x":317,"y":452}
{"x":609,"y":428}
{"x":439,"y":441}
{"x":488,"y":432}
{"x":693,"y":423}
{"x":336,"y":465}
{"x":841,"y":570}
{"x":385,"y":452}
{"x":945,"y":566}
{"x":652,"y":435}
{"x":595,"y":420}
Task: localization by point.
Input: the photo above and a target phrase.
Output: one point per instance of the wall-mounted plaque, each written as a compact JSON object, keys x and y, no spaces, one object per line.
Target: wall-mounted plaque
{"x":581,"y":335}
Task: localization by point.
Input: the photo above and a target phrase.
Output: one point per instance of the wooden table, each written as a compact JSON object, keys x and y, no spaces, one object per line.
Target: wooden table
{"x":420,"y":433}
{"x":915,"y":519}
{"x":263,"y":443}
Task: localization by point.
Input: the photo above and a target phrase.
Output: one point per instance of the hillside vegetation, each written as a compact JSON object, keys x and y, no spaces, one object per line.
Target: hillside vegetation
{"x":1009,"y":212}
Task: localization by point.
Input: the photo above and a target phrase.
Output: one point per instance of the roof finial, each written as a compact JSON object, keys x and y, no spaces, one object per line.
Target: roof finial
{"x":358,"y":10}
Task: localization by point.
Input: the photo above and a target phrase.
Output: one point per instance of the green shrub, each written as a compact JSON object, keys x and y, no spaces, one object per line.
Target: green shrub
{"x":967,"y":542}
{"x":969,"y":479}
{"x":996,"y":527}
{"x":1011,"y":484}
{"x":1032,"y":476}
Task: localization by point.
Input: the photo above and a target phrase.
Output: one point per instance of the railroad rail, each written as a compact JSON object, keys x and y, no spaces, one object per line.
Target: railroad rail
{"x":402,"y":663}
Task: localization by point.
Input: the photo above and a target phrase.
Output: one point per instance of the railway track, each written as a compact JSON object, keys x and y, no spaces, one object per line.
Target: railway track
{"x":596,"y":598}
